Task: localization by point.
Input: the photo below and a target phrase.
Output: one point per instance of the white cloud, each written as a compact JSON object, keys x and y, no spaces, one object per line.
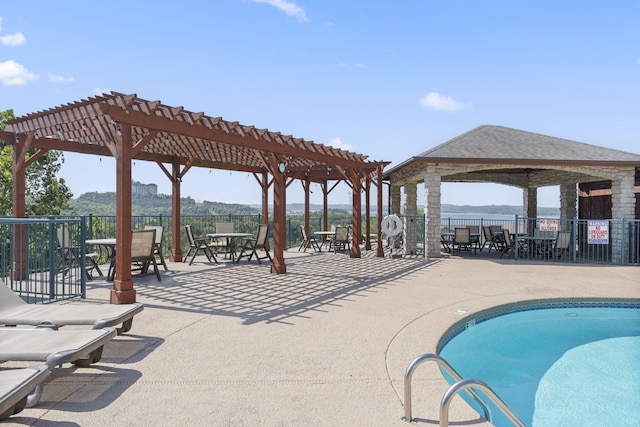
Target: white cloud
{"x":99,"y":91}
{"x":337,"y":143}
{"x":287,"y":7}
{"x":442,"y":103}
{"x":13,"y":74}
{"x":59,"y":79}
{"x":16,"y":39}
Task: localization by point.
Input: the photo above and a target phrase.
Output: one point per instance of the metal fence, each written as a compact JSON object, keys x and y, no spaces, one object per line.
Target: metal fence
{"x":37,"y":264}
{"x":608,"y":241}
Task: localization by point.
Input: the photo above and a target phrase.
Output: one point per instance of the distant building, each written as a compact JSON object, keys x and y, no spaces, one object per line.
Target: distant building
{"x":139,"y":188}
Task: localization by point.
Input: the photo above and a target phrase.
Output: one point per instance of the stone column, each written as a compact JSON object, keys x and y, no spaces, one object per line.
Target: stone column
{"x":432,"y":209}
{"x":394,"y":192}
{"x":530,"y":202}
{"x":568,"y":202}
{"x":623,"y":205}
{"x":410,"y":218}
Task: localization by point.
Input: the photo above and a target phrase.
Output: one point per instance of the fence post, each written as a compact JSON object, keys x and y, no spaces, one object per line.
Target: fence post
{"x":83,"y":259}
{"x":574,"y":239}
{"x":53,"y":269}
{"x":622,"y":242}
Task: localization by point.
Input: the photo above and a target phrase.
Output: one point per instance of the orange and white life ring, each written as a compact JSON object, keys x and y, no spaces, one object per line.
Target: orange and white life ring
{"x":391,"y":225}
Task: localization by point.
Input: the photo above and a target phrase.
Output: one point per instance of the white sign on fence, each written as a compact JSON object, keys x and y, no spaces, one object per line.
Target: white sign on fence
{"x":548,"y":224}
{"x":598,"y":232}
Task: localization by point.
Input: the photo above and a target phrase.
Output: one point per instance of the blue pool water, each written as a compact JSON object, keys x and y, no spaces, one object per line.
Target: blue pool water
{"x":575,"y":364}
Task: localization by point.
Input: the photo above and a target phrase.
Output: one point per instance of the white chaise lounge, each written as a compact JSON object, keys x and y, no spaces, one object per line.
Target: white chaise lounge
{"x":18,"y":388}
{"x":15,"y":311}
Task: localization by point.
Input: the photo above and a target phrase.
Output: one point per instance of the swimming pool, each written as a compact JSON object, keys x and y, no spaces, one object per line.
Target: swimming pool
{"x":555,"y":362}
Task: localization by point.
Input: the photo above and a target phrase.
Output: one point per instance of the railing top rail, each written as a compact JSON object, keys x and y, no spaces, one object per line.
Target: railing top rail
{"x":11,"y":220}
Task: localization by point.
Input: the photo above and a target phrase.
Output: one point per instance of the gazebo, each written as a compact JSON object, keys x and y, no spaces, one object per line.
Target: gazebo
{"x":525,"y":160}
{"x":130,"y":128}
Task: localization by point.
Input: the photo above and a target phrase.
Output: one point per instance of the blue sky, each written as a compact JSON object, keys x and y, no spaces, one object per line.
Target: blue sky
{"x":382,"y":78}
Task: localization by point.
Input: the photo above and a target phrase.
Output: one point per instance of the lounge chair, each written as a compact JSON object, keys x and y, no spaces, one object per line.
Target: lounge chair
{"x":53,"y":346}
{"x":308,"y":241}
{"x":251,"y":246}
{"x":20,"y":388}
{"x":197,"y":245}
{"x":14,"y":311}
{"x":81,"y":347}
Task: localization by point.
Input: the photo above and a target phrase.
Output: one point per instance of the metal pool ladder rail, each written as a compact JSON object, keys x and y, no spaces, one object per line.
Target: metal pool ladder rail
{"x":468,"y":384}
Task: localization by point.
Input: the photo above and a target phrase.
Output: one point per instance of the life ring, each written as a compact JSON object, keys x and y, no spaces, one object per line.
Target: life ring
{"x":391,"y":225}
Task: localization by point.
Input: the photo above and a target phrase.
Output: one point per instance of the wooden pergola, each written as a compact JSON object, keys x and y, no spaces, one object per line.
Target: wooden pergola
{"x":130,"y":128}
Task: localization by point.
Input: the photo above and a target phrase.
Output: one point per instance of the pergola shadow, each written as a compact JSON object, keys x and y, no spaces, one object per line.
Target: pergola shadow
{"x":249,"y":292}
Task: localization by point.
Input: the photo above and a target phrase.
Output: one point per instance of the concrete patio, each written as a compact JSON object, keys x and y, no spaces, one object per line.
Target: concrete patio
{"x":326,"y":344}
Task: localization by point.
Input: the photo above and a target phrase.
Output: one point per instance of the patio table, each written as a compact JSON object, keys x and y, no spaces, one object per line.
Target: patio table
{"x":326,"y":237}
{"x":110,"y":247}
{"x":231,"y":241}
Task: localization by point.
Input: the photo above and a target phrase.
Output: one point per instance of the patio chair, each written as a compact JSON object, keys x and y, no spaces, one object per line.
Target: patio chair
{"x":508,"y":246}
{"x":474,"y":231}
{"x":497,"y":236}
{"x":70,"y":254}
{"x":20,"y":387}
{"x":197,"y":245}
{"x":341,"y":239}
{"x":158,"y":246}
{"x":446,"y":237}
{"x":222,"y":244}
{"x":53,"y":347}
{"x":143,"y":249}
{"x":486,"y":235}
{"x":462,"y":240}
{"x":250,"y":247}
{"x":15,"y":311}
{"x":308,"y":241}
{"x":562,"y":245}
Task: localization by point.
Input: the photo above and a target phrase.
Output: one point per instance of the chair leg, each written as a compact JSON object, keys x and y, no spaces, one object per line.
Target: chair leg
{"x":155,"y":268}
{"x":162,"y":261}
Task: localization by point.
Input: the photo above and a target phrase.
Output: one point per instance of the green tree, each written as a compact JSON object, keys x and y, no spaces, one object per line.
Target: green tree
{"x":46,"y":194}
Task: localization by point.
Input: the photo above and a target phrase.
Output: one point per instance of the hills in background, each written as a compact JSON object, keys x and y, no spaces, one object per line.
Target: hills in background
{"x":160,"y":204}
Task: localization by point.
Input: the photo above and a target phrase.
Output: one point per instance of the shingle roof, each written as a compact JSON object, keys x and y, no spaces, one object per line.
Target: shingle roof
{"x":502,"y":143}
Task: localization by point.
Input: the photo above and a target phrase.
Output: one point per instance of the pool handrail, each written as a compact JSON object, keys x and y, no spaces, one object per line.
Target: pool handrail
{"x":468,"y":385}
{"x":447,"y":367}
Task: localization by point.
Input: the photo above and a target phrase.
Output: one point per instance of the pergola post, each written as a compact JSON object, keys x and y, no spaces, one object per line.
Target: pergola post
{"x":175,"y":255}
{"x":379,"y":248}
{"x":278,"y":265}
{"x":306,"y":185}
{"x":356,"y":221}
{"x":20,"y":147}
{"x":367,"y":215}
{"x":123,"y":292}
{"x":325,"y":205}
